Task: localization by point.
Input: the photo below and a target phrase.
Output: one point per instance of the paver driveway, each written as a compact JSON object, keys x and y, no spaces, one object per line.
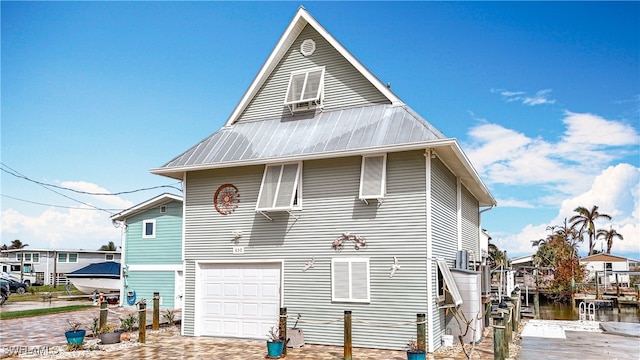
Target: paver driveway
{"x":47,"y":332}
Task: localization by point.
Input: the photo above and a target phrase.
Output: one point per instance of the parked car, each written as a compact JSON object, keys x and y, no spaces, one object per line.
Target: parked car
{"x":16,"y":286}
{"x":4,"y":291}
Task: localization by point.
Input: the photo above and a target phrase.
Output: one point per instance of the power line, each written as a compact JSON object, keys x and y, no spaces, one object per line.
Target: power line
{"x":57,"y":206}
{"x":15,"y":173}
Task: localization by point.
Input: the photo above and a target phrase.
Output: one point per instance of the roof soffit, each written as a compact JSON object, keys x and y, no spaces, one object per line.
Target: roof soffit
{"x":300,"y":20}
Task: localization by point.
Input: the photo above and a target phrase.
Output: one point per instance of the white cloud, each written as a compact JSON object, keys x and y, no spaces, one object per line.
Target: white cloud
{"x":514,"y":203}
{"x":109,"y":200}
{"x":540,"y":98}
{"x":70,"y":229}
{"x":616,"y":192}
{"x":80,"y":227}
{"x":505,"y":156}
{"x":590,"y":130}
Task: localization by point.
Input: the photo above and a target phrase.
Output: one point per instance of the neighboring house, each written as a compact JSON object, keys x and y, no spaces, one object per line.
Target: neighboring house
{"x":614,"y":266}
{"x":44,"y":263}
{"x":317,"y":157}
{"x":152,"y":251}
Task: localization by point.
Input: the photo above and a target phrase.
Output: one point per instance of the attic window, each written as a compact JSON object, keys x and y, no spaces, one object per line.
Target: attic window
{"x":280,"y":189}
{"x":305,"y":89}
{"x":373,"y":177}
{"x":163,"y":209}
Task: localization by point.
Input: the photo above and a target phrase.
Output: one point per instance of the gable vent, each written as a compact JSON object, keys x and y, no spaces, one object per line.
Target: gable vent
{"x":163,"y":209}
{"x":308,"y":47}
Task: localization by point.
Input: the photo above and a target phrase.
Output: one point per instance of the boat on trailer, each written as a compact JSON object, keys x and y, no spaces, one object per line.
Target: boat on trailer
{"x":98,"y":277}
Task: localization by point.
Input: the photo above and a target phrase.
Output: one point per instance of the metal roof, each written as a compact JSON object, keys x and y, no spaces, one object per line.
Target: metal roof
{"x":339,"y":130}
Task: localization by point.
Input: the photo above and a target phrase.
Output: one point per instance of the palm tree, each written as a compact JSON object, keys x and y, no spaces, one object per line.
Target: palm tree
{"x":609,"y":235}
{"x":496,"y":257}
{"x":108,"y":247}
{"x":17,"y":244}
{"x":585,"y":220}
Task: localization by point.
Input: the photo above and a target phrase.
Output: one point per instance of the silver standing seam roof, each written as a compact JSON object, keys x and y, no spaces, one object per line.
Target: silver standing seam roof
{"x":326,"y":132}
{"x":346,"y":132}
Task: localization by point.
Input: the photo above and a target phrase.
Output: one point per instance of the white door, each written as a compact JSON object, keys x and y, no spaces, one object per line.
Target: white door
{"x":179,"y":290}
{"x":239,"y":300}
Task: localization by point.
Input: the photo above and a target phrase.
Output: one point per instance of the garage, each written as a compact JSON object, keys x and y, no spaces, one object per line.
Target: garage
{"x":239,"y":299}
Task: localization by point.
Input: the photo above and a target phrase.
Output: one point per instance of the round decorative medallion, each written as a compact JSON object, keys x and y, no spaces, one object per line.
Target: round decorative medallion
{"x":226,"y":199}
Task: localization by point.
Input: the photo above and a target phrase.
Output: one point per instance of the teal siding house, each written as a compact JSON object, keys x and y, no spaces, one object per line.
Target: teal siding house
{"x":152,"y":251}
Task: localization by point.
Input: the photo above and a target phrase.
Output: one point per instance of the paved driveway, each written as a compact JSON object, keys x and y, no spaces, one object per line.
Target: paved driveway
{"x":43,"y":337}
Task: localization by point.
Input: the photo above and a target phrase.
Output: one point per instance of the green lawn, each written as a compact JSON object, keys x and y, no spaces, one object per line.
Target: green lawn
{"x":46,"y":311}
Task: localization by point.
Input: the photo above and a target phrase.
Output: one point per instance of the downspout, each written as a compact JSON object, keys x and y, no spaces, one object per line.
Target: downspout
{"x":429,"y":234}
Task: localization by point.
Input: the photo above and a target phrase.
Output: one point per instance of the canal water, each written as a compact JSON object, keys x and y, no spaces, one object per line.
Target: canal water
{"x":557,"y":311}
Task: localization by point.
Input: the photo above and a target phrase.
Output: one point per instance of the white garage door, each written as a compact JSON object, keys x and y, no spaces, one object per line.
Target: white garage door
{"x":240,"y":300}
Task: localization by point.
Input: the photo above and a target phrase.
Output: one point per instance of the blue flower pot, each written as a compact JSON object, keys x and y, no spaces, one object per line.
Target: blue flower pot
{"x":274,"y":348}
{"x":75,"y":337}
{"x":416,"y":355}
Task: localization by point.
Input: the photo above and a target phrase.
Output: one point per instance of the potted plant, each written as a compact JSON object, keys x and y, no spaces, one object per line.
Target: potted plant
{"x":126,"y":325}
{"x":274,"y":343}
{"x":414,"y":352}
{"x":108,"y":334}
{"x":75,"y":335}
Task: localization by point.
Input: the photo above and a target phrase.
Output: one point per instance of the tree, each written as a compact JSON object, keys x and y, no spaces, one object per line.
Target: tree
{"x":496,"y":257}
{"x":559,"y":252}
{"x":17,"y":244}
{"x":609,"y":235}
{"x":108,"y":247}
{"x":585,"y":220}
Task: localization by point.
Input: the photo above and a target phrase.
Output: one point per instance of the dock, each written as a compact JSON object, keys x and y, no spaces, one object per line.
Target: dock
{"x":567,"y":340}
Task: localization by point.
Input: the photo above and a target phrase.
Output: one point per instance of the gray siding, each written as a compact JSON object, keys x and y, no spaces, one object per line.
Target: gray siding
{"x":344,"y":85}
{"x":189,"y":306}
{"x":445,"y":243}
{"x":330,"y":207}
{"x":470,"y":223}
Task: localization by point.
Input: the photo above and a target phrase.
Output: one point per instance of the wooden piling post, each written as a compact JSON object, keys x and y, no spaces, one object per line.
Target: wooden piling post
{"x":347,"y":335}
{"x":282,"y":325}
{"x":103,"y":313}
{"x":142,"y":322}
{"x":499,"y":352}
{"x":156,"y":311}
{"x":421,"y":332}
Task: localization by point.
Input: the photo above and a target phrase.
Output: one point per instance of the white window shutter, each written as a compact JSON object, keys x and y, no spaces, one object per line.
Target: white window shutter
{"x":359,"y":281}
{"x":372,"y":184}
{"x":340,"y":283}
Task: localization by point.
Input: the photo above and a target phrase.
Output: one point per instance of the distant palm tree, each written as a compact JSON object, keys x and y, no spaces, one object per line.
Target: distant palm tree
{"x":585,"y":220}
{"x":108,"y":247}
{"x":496,"y":257}
{"x":609,"y":235}
{"x":17,"y":244}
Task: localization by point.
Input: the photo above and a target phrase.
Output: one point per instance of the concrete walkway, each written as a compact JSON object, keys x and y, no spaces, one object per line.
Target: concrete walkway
{"x":580,"y":340}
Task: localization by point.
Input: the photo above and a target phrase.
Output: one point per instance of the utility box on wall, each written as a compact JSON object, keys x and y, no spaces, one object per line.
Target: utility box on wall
{"x":295,"y":338}
{"x":470,"y":286}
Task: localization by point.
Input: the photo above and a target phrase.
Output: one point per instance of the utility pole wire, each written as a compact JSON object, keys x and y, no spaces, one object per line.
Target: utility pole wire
{"x":15,"y":173}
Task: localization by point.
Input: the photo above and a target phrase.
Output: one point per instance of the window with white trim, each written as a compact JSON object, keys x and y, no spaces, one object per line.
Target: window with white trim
{"x":350,"y":280}
{"x":280,"y":188}
{"x":149,"y":229}
{"x":305,"y":90}
{"x":67,"y":257}
{"x":373,"y":177}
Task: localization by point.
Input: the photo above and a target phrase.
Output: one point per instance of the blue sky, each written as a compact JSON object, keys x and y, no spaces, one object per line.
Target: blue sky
{"x":543,"y":97}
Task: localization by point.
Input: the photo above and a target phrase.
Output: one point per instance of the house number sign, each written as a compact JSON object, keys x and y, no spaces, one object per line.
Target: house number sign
{"x":226,"y":199}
